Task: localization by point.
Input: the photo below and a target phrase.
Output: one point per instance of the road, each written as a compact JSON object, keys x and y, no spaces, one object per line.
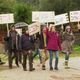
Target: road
{"x":62,"y":74}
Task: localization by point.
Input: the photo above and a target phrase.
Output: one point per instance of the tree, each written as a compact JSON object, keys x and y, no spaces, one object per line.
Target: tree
{"x":23,"y":12}
{"x":6,"y":6}
{"x":59,"y":6}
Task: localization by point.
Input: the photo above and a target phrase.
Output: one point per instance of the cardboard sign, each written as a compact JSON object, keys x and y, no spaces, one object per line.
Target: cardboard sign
{"x":6,"y":18}
{"x":74,"y":16}
{"x":43,"y":16}
{"x":34,"y":28}
{"x":61,"y":19}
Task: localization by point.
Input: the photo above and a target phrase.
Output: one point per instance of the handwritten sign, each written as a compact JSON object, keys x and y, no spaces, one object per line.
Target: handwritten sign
{"x":34,"y":28}
{"x":61,"y":19}
{"x":43,"y":16}
{"x":6,"y":18}
{"x":74,"y":16}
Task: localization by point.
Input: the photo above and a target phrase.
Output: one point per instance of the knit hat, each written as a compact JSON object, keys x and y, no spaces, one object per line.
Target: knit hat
{"x":68,"y":27}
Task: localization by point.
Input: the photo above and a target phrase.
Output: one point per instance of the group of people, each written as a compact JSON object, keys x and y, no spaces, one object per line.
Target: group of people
{"x":47,"y":41}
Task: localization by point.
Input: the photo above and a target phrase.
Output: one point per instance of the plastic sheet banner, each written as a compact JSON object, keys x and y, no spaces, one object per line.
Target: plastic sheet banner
{"x":6,"y":18}
{"x":43,"y":16}
{"x":74,"y":16}
{"x":61,"y":19}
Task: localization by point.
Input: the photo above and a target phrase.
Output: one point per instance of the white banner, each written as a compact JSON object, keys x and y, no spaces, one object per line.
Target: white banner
{"x":34,"y":28}
{"x":61,"y":19}
{"x":6,"y":18}
{"x":74,"y":16}
{"x":43,"y":16}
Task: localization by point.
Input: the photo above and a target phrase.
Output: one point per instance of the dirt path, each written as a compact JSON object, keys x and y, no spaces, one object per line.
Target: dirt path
{"x":62,"y":74}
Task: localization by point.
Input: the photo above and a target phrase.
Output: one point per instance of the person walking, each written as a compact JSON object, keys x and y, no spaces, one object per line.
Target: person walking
{"x":42,"y":46}
{"x":37,"y":52}
{"x":67,"y":43}
{"x":53,"y":45}
{"x":13,"y":47}
{"x":27,"y":46}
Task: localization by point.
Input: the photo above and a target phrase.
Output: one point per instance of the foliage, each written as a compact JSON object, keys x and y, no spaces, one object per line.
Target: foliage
{"x":22,"y":11}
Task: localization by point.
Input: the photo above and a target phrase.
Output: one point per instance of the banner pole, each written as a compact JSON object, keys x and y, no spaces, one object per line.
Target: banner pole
{"x":7,"y":30}
{"x":78,"y":26}
{"x":62,"y":27}
{"x":47,"y":24}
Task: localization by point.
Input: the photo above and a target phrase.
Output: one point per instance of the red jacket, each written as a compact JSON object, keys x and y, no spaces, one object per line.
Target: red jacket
{"x":54,"y":42}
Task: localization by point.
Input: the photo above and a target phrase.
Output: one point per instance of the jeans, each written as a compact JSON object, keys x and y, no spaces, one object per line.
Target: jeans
{"x":51,"y":57}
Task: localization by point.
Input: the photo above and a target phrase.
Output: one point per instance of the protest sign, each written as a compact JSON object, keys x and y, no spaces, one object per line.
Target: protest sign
{"x":34,"y":28}
{"x":43,"y":16}
{"x":61,"y":19}
{"x":74,"y":16}
{"x":6,"y":18}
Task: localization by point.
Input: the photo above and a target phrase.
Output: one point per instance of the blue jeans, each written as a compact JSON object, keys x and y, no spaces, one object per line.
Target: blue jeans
{"x":51,"y":57}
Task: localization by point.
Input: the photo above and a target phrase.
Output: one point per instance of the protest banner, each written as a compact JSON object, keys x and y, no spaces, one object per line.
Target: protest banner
{"x":43,"y":16}
{"x":6,"y":19}
{"x":74,"y":16}
{"x":61,"y":19}
{"x":34,"y":28}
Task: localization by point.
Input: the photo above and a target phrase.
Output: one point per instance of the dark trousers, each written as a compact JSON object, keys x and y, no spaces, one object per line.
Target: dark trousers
{"x":12,"y":55}
{"x":20,"y":56}
{"x":27,"y":54}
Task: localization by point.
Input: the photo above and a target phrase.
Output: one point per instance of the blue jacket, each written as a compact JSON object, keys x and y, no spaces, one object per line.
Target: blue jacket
{"x":27,"y":42}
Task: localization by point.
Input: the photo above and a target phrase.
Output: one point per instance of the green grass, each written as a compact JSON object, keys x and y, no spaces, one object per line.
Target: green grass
{"x":77,"y":48}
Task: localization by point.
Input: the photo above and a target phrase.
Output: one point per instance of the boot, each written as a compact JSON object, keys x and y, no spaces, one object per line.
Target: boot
{"x":24,"y":67}
{"x":66,"y":64}
{"x":32,"y":69}
{"x":51,"y":68}
{"x":43,"y":67}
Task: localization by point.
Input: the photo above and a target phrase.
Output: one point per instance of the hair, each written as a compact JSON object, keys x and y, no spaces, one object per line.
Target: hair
{"x":52,"y":27}
{"x":67,"y":31}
